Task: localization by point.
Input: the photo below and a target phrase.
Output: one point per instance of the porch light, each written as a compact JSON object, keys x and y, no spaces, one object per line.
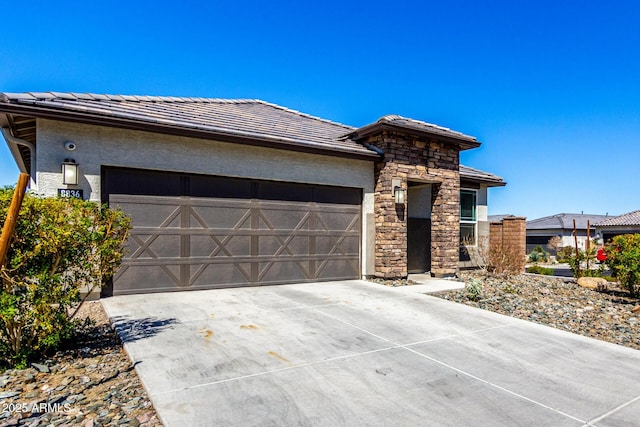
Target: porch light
{"x":69,"y":172}
{"x":399,"y":194}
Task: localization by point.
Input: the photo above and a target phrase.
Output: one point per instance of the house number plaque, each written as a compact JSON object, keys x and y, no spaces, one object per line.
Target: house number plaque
{"x":71,"y":194}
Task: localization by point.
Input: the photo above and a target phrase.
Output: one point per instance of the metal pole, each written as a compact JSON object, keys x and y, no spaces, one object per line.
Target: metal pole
{"x":12,"y":216}
{"x":575,"y":238}
{"x":588,"y":241}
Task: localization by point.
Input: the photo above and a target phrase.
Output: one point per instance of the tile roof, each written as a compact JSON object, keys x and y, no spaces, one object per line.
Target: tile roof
{"x":482,"y":176}
{"x":417,"y":127}
{"x":405,"y":122}
{"x":564,"y":221}
{"x":243,"y":118}
{"x":631,"y":218}
{"x":249,"y":118}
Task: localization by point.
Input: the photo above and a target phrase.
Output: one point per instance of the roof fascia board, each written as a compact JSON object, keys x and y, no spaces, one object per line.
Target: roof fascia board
{"x":487,"y":182}
{"x":79,"y":117}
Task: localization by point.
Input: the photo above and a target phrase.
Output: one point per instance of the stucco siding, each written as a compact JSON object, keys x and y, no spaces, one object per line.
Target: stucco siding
{"x":99,"y":145}
{"x":482,"y":208}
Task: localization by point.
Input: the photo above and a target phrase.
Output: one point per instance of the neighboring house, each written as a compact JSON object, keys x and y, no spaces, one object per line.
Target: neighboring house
{"x":628,"y":223}
{"x":244,"y":192}
{"x":541,"y":230}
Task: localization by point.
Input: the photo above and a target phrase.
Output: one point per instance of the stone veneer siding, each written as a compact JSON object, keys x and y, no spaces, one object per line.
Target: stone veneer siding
{"x":409,"y":158}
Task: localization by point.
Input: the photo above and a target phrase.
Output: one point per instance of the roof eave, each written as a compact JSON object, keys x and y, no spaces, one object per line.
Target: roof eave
{"x":257,"y":140}
{"x":17,"y":156}
{"x":464,"y":142}
{"x":487,"y":182}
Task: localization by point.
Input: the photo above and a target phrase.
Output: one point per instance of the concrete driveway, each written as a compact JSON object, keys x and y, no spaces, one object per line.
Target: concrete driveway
{"x":355,"y":353}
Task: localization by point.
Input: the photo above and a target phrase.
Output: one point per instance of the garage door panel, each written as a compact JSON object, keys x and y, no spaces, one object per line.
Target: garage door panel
{"x":151,"y":212}
{"x":155,"y":246}
{"x":219,"y":245}
{"x":282,"y":245}
{"x":218,"y":275}
{"x":337,"y":269}
{"x":223,"y":217}
{"x":186,"y":242}
{"x":140,"y":278}
{"x":295,"y":271}
{"x":340,"y":244}
{"x":339,"y":220}
{"x":281,"y":218}
{"x":202,"y":246}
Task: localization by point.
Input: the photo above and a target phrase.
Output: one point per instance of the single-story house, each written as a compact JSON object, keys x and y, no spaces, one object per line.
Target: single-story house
{"x":541,"y":230}
{"x":628,"y":223}
{"x":243,"y":192}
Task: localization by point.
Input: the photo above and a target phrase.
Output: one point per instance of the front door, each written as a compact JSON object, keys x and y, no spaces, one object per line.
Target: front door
{"x":419,"y":228}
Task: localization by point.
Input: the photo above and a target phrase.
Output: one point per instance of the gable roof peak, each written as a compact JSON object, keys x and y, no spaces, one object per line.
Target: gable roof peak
{"x":416,"y":128}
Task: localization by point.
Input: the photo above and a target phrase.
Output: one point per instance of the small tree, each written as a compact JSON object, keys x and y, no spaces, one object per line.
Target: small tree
{"x":554,"y":244}
{"x":59,"y":246}
{"x":623,"y":258}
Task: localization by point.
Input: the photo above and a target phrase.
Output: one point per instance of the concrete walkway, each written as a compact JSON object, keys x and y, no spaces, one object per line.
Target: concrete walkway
{"x":354,"y":353}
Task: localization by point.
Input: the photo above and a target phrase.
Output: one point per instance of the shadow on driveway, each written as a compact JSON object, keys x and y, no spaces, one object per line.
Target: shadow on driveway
{"x":131,"y":330}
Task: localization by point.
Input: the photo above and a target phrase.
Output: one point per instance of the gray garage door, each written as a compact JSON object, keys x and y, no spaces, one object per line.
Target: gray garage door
{"x":203,"y":232}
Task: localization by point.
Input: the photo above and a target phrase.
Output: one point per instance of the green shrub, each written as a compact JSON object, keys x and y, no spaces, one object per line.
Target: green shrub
{"x":509,"y":288}
{"x":473,"y":290}
{"x":565,"y":253}
{"x":623,"y":258}
{"x":575,"y":262}
{"x":536,"y":269}
{"x":538,"y":254}
{"x":59,"y":246}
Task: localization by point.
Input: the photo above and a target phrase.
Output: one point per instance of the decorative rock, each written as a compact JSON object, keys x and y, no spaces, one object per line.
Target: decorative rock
{"x":9,"y":394}
{"x":4,"y":380}
{"x":607,"y":316}
{"x":41,"y":367}
{"x":593,"y":283}
{"x":144,"y":417}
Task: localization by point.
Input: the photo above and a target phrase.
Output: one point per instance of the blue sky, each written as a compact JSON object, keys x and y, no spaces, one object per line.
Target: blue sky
{"x":551,"y":88}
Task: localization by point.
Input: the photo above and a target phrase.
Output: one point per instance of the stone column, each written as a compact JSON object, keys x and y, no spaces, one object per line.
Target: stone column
{"x":445,"y":228}
{"x":391,"y":224}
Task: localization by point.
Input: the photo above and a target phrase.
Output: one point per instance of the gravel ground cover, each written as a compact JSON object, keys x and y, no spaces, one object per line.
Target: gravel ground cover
{"x":92,"y":383}
{"x":609,"y":315}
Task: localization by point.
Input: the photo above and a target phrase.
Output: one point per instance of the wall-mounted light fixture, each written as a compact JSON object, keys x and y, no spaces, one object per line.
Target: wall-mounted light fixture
{"x":399,"y":194}
{"x":69,"y":172}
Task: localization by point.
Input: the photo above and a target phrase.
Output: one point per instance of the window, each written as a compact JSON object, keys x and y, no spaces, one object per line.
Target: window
{"x":468,"y":218}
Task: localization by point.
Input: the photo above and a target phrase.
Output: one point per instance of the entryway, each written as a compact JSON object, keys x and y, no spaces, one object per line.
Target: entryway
{"x":419,"y":228}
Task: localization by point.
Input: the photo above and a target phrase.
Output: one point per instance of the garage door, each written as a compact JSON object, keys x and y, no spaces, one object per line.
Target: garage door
{"x":204,"y":232}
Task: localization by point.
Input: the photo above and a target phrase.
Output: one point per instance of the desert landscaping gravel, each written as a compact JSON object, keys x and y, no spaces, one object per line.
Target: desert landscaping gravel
{"x":93,"y":383}
{"x":609,"y":315}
